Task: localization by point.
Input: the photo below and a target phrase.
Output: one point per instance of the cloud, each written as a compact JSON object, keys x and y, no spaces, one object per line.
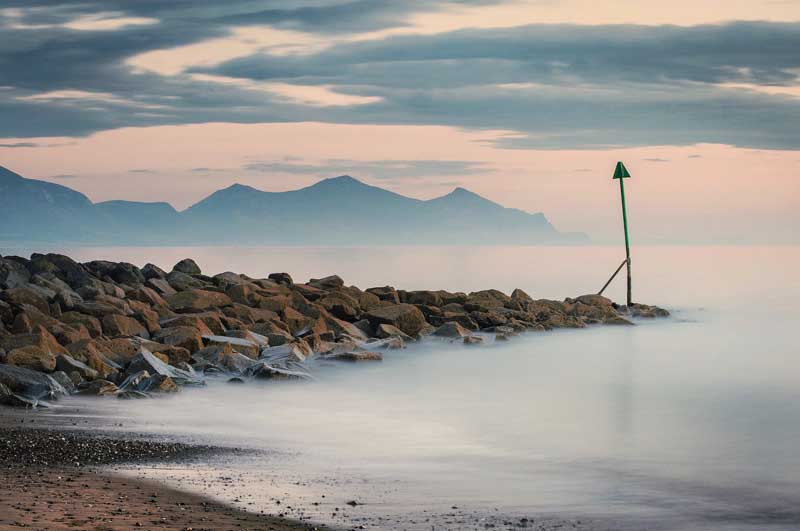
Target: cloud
{"x":142,"y":170}
{"x":694,"y":157}
{"x":555,"y":86}
{"x":64,"y":176}
{"x":656,"y":159}
{"x":376,"y":169}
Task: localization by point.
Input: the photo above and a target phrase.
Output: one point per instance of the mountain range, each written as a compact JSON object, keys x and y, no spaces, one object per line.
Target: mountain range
{"x":336,"y":211}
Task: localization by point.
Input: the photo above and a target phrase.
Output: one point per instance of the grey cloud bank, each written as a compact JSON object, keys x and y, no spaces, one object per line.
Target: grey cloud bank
{"x":560,"y":86}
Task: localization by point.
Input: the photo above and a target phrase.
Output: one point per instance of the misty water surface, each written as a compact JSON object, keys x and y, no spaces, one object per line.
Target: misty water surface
{"x":688,"y":423}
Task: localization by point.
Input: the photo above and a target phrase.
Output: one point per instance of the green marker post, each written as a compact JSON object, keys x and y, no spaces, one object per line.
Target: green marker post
{"x":621,"y":173}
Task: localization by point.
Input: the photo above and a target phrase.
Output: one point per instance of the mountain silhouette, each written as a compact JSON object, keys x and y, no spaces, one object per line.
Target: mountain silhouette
{"x":336,"y":211}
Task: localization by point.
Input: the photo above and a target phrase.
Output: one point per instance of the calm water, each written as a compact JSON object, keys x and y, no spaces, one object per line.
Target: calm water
{"x":689,"y":423}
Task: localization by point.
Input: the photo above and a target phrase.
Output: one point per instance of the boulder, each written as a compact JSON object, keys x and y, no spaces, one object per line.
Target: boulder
{"x":40,"y":337}
{"x":344,"y":329}
{"x":13,"y":274}
{"x":276,"y":303}
{"x":197,"y":300}
{"x":452,"y":330}
{"x":186,"y":337}
{"x":100,"y":268}
{"x":243,"y":346}
{"x":424,"y":298}
{"x":461,"y":318}
{"x":68,"y":364}
{"x":63,"y":378}
{"x":115,"y":325}
{"x":616,"y":320}
{"x":264,"y":371}
{"x":100,"y":309}
{"x":384,"y":331}
{"x":309,"y":292}
{"x":281,"y":278}
{"x":647,"y":312}
{"x":243,"y":294}
{"x":208,"y":323}
{"x":386,"y":293}
{"x":188,"y":266}
{"x":291,"y":352}
{"x":147,"y":295}
{"x":341,"y":305}
{"x":8,"y":398}
{"x":146,"y":361}
{"x":32,"y":357}
{"x":486,"y":300}
{"x":355,"y":356}
{"x":327,"y":283}
{"x":31,"y":384}
{"x":98,"y":388}
{"x":92,"y":324}
{"x":473,"y":340}
{"x":128,"y":274}
{"x":27,"y":294}
{"x":182,"y":281}
{"x":406,"y":317}
{"x":161,"y":286}
{"x":107,"y":358}
{"x":153,"y":271}
{"x":593,"y":300}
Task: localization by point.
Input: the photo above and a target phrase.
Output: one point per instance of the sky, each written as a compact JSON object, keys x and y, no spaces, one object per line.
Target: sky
{"x":529,"y":103}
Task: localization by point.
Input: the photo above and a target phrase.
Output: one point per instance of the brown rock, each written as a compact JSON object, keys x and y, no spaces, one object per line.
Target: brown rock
{"x":92,"y":324}
{"x":68,"y":364}
{"x":341,"y":305}
{"x":276,"y":303}
{"x":406,"y":317}
{"x":147,"y":295}
{"x":386,"y":293}
{"x":424,"y":298}
{"x":40,"y":337}
{"x":98,"y":388}
{"x":197,"y":300}
{"x":161,"y":286}
{"x":181,"y":336}
{"x":115,"y":325}
{"x":355,"y":356}
{"x":32,"y":357}
{"x":452,"y":330}
{"x":243,"y":294}
{"x":327,"y":283}
{"x":26,"y":295}
{"x":384,"y":331}
{"x":207,"y":323}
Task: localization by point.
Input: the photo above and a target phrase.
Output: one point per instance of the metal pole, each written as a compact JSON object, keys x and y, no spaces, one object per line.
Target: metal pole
{"x":627,"y":240}
{"x":612,"y":277}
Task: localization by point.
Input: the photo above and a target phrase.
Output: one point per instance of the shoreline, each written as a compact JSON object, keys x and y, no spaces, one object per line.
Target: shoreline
{"x":46,"y":488}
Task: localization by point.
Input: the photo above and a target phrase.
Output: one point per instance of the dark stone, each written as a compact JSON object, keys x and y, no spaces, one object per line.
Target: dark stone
{"x":30,"y":384}
{"x":188,"y":266}
{"x":153,"y":271}
{"x":281,"y":278}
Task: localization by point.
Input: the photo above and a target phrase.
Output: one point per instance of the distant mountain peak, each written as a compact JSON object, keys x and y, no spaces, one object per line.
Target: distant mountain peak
{"x":5,"y":173}
{"x":340,"y":181}
{"x":461,"y":195}
{"x":238,"y":187}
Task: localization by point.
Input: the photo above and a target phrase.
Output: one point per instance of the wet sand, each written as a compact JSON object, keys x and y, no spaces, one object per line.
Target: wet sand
{"x":52,"y":481}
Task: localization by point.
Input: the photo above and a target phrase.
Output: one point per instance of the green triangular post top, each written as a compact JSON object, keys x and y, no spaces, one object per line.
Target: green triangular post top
{"x":621,"y":172}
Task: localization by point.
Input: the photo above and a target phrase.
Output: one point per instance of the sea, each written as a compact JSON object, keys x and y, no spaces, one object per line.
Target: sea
{"x":687,"y":423}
